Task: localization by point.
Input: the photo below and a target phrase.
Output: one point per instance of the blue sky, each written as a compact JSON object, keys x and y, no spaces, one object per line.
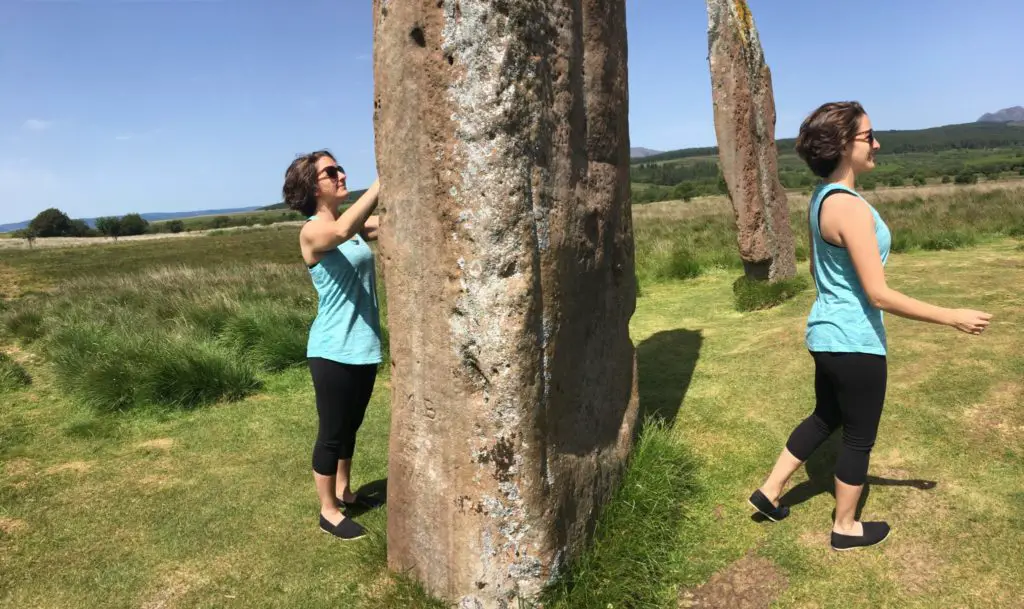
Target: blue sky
{"x":109,"y":107}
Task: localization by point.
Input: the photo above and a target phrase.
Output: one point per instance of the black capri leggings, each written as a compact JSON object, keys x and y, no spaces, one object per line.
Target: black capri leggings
{"x":850,"y":390}
{"x":342,"y":393}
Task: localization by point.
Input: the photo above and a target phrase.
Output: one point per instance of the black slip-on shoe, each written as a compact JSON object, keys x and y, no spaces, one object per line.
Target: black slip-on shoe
{"x":347,"y":529}
{"x":766,"y":508}
{"x":874,"y":533}
{"x":362,"y":501}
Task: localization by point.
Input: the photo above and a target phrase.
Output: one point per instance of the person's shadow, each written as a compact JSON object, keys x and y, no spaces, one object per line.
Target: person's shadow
{"x":666,"y":362}
{"x":821,"y":469}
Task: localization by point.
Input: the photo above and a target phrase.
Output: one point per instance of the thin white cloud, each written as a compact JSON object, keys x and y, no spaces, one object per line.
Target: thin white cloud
{"x":35,"y":124}
{"x":131,"y":135}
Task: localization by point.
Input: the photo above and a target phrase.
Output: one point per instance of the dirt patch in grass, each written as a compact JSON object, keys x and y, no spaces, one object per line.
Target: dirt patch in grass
{"x":999,"y":413}
{"x":916,"y":567}
{"x":19,"y":467}
{"x":751,"y":582}
{"x":9,"y":526}
{"x":78,"y":467}
{"x":157,"y":444}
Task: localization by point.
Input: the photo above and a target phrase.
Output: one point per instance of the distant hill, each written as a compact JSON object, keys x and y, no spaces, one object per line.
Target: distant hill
{"x":639,"y":153}
{"x":152,"y":217}
{"x":1006,"y":115}
{"x":967,"y":135}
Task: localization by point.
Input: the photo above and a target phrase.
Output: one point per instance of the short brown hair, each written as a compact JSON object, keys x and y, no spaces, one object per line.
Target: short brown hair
{"x":826,"y":133}
{"x":299,"y":189}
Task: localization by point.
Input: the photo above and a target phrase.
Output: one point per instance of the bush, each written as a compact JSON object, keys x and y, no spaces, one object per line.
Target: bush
{"x":51,"y":223}
{"x":966,"y":178}
{"x":175,"y":226}
{"x":946,"y":180}
{"x":134,"y":224}
{"x":919,"y":181}
{"x":12,"y":375}
{"x":752,"y":295}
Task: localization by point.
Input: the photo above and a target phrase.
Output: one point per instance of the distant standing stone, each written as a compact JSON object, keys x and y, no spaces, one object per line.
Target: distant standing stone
{"x":744,"y":109}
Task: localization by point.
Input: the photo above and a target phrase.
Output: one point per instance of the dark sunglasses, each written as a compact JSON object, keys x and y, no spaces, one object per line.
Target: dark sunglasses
{"x":871,"y":136}
{"x":333,"y":171}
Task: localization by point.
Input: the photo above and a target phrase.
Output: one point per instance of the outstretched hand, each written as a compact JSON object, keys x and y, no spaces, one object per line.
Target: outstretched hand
{"x":970,"y":321}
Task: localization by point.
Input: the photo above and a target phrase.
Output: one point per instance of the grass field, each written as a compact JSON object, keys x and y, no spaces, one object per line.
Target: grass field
{"x":155,"y":505}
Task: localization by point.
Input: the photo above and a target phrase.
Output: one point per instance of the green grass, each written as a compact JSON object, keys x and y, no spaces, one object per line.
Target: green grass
{"x":12,"y":375}
{"x":175,"y":506}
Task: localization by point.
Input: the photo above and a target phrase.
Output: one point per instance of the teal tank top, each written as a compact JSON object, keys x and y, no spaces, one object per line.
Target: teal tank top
{"x":841,"y":318}
{"x":347,"y":324}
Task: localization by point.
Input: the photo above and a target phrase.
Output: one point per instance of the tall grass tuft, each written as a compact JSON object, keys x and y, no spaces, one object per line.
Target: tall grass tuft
{"x":754,"y":295}
{"x":12,"y":375}
{"x":635,"y":542}
{"x":173,"y":336}
{"x":270,"y":335}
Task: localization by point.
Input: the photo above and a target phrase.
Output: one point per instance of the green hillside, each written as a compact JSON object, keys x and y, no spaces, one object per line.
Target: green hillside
{"x":953,"y":153}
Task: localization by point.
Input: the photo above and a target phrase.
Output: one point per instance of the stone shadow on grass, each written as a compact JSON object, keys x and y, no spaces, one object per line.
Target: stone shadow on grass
{"x":378,"y":489}
{"x":666,"y":362}
{"x":821,"y":469}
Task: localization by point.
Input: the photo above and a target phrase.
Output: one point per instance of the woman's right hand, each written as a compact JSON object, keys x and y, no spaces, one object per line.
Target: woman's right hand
{"x":970,"y":321}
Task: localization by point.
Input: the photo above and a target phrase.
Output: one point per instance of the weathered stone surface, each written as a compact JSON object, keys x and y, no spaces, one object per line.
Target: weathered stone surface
{"x":507,"y":249}
{"x":741,"y":87}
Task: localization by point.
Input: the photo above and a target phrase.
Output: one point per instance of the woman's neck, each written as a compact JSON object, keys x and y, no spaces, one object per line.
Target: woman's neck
{"x":843,"y":175}
{"x":328,"y":211}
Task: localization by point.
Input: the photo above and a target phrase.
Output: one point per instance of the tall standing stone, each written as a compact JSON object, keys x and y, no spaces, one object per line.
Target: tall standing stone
{"x":741,"y":88}
{"x":507,"y":249}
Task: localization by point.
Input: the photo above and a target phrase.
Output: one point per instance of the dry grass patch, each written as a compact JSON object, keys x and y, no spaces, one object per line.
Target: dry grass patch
{"x":9,"y":526}
{"x":78,"y":467}
{"x":751,"y":582}
{"x":157,"y":444}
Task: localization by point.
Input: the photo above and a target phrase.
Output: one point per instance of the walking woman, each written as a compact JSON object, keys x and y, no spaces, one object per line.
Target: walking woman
{"x":845,"y":335}
{"x":343,"y":349}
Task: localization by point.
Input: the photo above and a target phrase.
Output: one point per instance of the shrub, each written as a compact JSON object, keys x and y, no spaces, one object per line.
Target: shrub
{"x":12,"y":375}
{"x":753,"y":295}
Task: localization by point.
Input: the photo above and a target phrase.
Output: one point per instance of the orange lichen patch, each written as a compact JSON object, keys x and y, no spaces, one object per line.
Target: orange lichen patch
{"x":745,"y":18}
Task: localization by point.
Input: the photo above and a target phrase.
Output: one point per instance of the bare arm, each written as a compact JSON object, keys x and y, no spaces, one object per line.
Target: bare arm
{"x":855,"y":226}
{"x":371,"y":228}
{"x":324,"y":236}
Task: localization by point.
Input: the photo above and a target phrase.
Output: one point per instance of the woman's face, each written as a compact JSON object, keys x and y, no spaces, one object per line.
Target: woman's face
{"x":330,"y":182}
{"x":861,"y":151}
